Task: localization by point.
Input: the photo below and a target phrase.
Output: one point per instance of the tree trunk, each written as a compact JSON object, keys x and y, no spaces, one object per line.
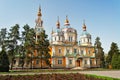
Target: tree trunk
{"x":22,"y":64}
{"x":12,"y":63}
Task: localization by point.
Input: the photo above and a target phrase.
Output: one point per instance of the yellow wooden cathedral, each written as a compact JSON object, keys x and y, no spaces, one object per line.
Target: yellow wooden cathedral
{"x":67,"y":49}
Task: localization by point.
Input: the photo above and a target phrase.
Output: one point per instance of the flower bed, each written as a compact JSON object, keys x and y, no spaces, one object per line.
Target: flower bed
{"x":70,"y":76}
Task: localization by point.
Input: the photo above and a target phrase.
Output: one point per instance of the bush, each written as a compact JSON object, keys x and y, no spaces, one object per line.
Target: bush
{"x":4,"y":69}
{"x":4,"y":62}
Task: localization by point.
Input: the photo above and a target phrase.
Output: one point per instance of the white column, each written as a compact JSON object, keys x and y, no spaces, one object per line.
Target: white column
{"x":88,"y":62}
{"x":66,"y":62}
{"x":83,"y":62}
{"x":73,"y":61}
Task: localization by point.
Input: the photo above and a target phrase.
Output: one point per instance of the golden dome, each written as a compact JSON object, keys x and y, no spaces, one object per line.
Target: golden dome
{"x":84,"y":26}
{"x":39,"y":12}
{"x":58,"y":23}
{"x":66,"y":21}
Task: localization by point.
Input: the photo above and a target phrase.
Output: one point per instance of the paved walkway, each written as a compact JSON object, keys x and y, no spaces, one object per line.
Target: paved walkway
{"x":114,"y":74}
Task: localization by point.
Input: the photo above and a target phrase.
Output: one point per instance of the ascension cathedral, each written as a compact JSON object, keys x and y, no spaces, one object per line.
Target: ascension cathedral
{"x":66,"y":49}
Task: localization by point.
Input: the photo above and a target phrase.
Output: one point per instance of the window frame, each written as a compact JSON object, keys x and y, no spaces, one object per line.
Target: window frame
{"x":70,"y":61}
{"x":59,"y":61}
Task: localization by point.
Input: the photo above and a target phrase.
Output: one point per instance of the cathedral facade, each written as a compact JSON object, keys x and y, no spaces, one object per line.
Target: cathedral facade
{"x":66,"y":50}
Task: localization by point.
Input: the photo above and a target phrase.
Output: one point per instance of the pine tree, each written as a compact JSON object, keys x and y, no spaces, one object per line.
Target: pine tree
{"x":42,"y":48}
{"x":4,"y":61}
{"x":115,"y":61}
{"x":12,"y":43}
{"x":28,"y":36}
{"x":113,"y":57}
{"x":113,"y":50}
{"x":3,"y":37}
{"x":119,"y":61}
{"x":21,"y":55}
{"x":99,"y":53}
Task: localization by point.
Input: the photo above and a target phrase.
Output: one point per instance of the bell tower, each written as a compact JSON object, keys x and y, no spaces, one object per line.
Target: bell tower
{"x":39,"y":24}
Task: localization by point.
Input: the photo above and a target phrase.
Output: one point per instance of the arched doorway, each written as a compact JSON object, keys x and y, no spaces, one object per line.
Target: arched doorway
{"x":78,"y":62}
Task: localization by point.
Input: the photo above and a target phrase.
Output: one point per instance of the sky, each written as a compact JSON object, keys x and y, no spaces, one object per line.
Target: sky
{"x":102,"y":17}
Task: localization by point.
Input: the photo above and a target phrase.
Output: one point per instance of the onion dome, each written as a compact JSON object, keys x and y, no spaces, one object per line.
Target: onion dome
{"x":85,"y":33}
{"x":67,"y":22}
{"x":39,"y":11}
{"x":58,"y":23}
{"x":84,"y":26}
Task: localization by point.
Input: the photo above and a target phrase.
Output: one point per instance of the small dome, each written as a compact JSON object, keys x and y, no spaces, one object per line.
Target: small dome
{"x":66,"y":22}
{"x":85,"y":34}
{"x":39,"y":12}
{"x":57,"y":34}
{"x":68,"y":30}
{"x":58,"y":23}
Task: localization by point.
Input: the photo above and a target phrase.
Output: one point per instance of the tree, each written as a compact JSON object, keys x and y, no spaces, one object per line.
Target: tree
{"x":113,"y":58}
{"x":3,"y":37}
{"x":116,"y":61}
{"x":29,"y":43}
{"x":22,"y":56}
{"x":42,"y":48}
{"x":99,"y":52}
{"x":113,"y":49}
{"x":4,"y":61}
{"x":14,"y":36}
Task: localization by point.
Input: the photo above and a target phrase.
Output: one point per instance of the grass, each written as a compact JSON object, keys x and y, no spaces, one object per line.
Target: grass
{"x":101,"y":77}
{"x":53,"y":70}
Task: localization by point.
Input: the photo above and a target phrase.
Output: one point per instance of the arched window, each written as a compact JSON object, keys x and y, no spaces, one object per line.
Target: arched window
{"x":55,"y":38}
{"x":69,"y":38}
{"x":82,"y":52}
{"x":59,"y":50}
{"x":59,"y":38}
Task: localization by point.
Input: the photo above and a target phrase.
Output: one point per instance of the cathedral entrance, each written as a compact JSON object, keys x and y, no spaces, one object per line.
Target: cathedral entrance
{"x":78,"y":63}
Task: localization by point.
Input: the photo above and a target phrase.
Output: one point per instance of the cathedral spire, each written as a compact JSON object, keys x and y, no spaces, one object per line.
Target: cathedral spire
{"x":58,"y":23}
{"x":39,"y":11}
{"x":39,"y":22}
{"x":67,"y":22}
{"x":84,"y":26}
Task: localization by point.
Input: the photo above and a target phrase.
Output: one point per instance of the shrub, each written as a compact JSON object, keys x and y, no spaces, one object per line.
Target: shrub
{"x":4,"y":62}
